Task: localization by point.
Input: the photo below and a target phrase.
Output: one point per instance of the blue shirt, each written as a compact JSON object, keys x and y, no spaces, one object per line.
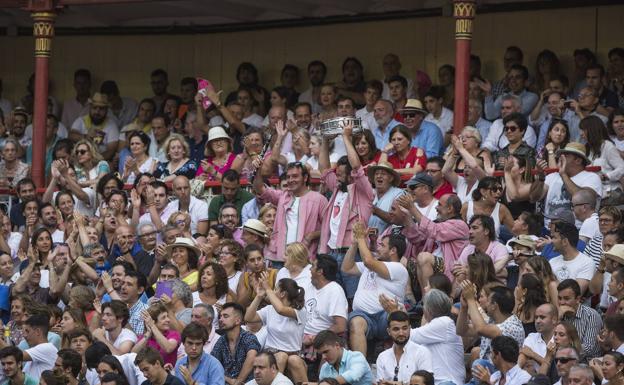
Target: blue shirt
{"x":383,"y":203}
{"x":383,"y":138}
{"x":208,"y":372}
{"x":353,"y":368}
{"x":232,"y":364}
{"x":429,"y":138}
{"x":484,"y":128}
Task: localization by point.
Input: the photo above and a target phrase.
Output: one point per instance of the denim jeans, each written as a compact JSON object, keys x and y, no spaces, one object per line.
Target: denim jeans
{"x":348,"y":282}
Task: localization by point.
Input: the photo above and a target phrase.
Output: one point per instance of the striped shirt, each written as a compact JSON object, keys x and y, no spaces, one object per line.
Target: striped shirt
{"x":593,"y":249}
{"x":588,"y":324}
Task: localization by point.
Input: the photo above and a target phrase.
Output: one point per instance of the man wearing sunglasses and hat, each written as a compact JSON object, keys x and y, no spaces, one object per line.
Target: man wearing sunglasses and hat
{"x":386,"y":181}
{"x":425,"y":134}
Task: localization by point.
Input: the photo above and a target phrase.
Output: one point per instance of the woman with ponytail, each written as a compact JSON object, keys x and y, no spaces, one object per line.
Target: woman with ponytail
{"x":285,"y":319}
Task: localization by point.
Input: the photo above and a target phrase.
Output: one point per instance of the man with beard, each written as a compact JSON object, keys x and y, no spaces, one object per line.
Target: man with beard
{"x":425,"y":134}
{"x":17,"y":128}
{"x":159,"y":81}
{"x":236,"y":349}
{"x":266,"y":371}
{"x":303,"y":116}
{"x":316,"y":74}
{"x":385,"y":122}
{"x":351,"y":201}
{"x":228,"y":216}
{"x":49,"y":218}
{"x":396,"y":364}
{"x":78,"y":105}
{"x":97,"y":127}
{"x":198,"y":367}
{"x":25,"y":191}
{"x":231,"y":193}
{"x":442,"y":240}
{"x":383,"y":275}
{"x":299,"y":210}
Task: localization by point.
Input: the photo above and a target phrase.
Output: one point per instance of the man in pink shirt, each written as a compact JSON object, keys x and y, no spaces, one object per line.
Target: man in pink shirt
{"x":299,"y":210}
{"x":351,"y":201}
{"x":482,"y":238}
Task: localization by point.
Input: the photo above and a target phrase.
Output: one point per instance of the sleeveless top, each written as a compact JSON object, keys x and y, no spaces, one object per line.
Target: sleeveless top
{"x":494,"y":215}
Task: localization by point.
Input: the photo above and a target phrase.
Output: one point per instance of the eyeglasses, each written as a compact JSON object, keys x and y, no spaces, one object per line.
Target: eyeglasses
{"x":225,"y":253}
{"x":408,"y":115}
{"x":432,"y":171}
{"x":511,"y":128}
{"x":396,"y":373}
{"x":564,"y":360}
{"x":228,"y":215}
{"x":81,"y":152}
{"x":583,"y":96}
{"x":150,"y":234}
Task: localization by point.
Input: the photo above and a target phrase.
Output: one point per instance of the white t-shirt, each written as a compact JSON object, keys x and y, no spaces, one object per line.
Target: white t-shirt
{"x":445,"y":121}
{"x":109,"y":132}
{"x":283,"y":333}
{"x":304,"y":279}
{"x":58,"y":236}
{"x":125,"y":335}
{"x":233,"y":281}
{"x":325,"y":303}
{"x":415,"y":357}
{"x":334,"y":221}
{"x":279,"y":379}
{"x":589,"y":228}
{"x":429,"y":211}
{"x":440,"y":338}
{"x":132,"y":372}
{"x":558,"y":196}
{"x":198,"y":210}
{"x":581,"y":267}
{"x":371,"y":286}
{"x":292,"y":221}
{"x":43,"y":357}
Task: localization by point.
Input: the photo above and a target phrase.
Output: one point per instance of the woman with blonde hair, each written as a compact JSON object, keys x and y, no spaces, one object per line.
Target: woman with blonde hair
{"x":470,"y":140}
{"x":177,"y":152}
{"x":565,"y":335}
{"x":267,"y":217}
{"x":297,"y":266}
{"x":88,"y":163}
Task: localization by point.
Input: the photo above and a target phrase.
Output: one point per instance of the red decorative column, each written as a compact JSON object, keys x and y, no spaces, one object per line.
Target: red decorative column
{"x":43,"y":30}
{"x":464,"y":13}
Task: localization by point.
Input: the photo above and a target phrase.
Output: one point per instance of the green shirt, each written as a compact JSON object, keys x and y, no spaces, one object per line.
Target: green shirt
{"x":240,"y":199}
{"x":27,"y":381}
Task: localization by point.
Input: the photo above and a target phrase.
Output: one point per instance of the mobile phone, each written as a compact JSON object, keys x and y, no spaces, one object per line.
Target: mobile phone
{"x":163,"y":287}
{"x":372,"y":237}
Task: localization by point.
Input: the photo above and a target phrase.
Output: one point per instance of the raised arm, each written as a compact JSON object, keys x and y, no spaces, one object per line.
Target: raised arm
{"x":348,"y":263}
{"x":278,"y":305}
{"x":359,"y":236}
{"x":323,"y":162}
{"x":352,"y":155}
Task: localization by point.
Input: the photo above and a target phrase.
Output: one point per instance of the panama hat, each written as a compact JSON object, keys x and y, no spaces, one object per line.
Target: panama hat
{"x":616,"y":253}
{"x":254,"y":226}
{"x":99,"y":99}
{"x":574,"y":148}
{"x":414,"y":105}
{"x":218,"y":132}
{"x":387,"y":167}
{"x":188,"y":243}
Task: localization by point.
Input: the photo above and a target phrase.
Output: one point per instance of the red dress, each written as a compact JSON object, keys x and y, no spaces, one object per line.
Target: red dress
{"x":411,"y":160}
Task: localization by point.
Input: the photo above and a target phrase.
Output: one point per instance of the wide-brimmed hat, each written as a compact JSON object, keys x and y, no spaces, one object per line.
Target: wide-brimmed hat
{"x":561,"y":214}
{"x":254,"y":226}
{"x":99,"y":100}
{"x":387,"y":167}
{"x":574,"y":148}
{"x":523,"y":240}
{"x":420,"y":178}
{"x":218,"y":133}
{"x":616,"y":253}
{"x":414,"y":105}
{"x":188,"y":243}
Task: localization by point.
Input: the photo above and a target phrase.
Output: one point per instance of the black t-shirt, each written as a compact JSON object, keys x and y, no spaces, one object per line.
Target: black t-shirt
{"x":170,"y":380}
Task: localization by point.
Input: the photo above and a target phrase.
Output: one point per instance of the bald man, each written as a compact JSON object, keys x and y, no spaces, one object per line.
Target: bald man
{"x":187,"y":203}
{"x":584,"y":203}
{"x":533,"y":350}
{"x":127,"y":249}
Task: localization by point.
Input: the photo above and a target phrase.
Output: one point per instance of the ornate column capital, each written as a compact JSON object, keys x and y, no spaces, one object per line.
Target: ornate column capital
{"x":464,"y":12}
{"x":43,"y":31}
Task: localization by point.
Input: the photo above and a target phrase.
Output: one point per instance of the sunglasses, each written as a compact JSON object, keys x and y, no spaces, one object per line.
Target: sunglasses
{"x":409,"y":115}
{"x":294,"y":164}
{"x":496,"y":189}
{"x":564,"y":360}
{"x":413,"y":187}
{"x":396,"y":373}
{"x":511,"y":128}
{"x":81,"y":152}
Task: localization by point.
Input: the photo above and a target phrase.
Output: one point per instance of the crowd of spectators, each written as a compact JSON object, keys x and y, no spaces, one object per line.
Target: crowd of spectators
{"x":394,"y":252}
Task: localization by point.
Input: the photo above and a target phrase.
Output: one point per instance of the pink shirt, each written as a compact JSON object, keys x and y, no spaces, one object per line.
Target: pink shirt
{"x":169,"y":358}
{"x":359,"y":206}
{"x":309,"y":219}
{"x":495,"y":250}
